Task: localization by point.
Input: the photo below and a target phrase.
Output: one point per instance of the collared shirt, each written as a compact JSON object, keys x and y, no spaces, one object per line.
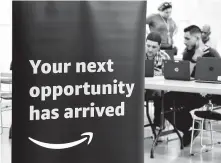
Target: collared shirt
{"x":158,"y":61}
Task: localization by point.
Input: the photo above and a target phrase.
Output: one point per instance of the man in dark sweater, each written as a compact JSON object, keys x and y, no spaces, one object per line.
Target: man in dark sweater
{"x":186,"y":102}
{"x":195,"y":47}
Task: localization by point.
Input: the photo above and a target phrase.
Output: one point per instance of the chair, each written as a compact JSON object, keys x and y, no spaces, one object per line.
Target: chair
{"x":5,"y":78}
{"x":206,"y":114}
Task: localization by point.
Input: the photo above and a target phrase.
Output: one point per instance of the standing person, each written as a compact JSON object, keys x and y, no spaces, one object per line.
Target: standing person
{"x":166,"y":26}
{"x":153,"y":52}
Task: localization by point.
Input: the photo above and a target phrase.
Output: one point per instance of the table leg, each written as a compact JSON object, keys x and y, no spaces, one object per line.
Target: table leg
{"x":162,"y":120}
{"x":175,"y":129}
{"x":161,"y":126}
{"x":181,"y":139}
{"x":154,"y":144}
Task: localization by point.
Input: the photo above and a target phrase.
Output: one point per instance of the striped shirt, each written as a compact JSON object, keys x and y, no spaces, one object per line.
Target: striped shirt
{"x":158,"y":61}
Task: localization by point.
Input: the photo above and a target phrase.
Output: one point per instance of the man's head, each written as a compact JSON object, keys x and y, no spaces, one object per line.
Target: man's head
{"x":165,"y":9}
{"x":192,"y":36}
{"x":206,"y":32}
{"x":153,"y":42}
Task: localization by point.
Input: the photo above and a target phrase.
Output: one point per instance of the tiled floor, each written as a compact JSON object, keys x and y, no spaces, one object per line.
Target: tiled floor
{"x":5,"y":148}
{"x":168,"y":152}
{"x":5,"y":143}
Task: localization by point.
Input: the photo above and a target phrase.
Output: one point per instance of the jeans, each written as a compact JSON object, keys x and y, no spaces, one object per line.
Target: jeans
{"x":155,"y":95}
{"x":185,"y":102}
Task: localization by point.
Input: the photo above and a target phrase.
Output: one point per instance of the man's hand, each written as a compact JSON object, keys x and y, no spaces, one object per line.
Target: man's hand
{"x":158,"y":72}
{"x":203,"y":94}
{"x":199,"y":52}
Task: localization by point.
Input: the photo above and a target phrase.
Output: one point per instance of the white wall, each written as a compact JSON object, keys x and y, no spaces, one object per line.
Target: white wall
{"x":198,"y":12}
{"x":5,"y":34}
{"x":5,"y":49}
{"x":185,"y":12}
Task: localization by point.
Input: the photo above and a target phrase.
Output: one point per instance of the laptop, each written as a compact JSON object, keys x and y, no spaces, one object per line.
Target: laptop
{"x":149,"y":68}
{"x":208,"y":70}
{"x":177,"y":70}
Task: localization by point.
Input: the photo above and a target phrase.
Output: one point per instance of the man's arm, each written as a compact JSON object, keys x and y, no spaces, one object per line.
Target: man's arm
{"x":149,"y":19}
{"x":192,"y":67}
{"x":175,"y":28}
{"x":148,"y":22}
{"x":185,"y":55}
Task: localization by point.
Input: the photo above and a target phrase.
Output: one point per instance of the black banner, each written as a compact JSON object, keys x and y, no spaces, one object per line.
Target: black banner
{"x":78,"y":81}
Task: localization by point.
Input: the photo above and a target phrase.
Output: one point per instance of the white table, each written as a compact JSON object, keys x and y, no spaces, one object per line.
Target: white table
{"x":159,"y":83}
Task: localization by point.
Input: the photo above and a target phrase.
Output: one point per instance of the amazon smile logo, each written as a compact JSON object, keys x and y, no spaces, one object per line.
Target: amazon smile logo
{"x":87,"y":136}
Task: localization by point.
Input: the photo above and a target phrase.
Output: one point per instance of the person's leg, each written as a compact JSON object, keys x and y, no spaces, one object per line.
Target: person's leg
{"x":157,"y":110}
{"x":174,"y":100}
{"x":183,"y":119}
{"x":148,"y":96}
{"x":216,"y":99}
{"x":193,"y":101}
{"x":157,"y":107}
{"x":155,"y":95}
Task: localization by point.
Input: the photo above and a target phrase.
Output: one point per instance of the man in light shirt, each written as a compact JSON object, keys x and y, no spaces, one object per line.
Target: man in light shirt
{"x":153,"y":52}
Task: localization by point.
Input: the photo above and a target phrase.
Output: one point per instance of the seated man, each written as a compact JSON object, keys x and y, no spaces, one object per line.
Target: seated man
{"x":153,"y":52}
{"x":206,"y":32}
{"x":195,"y":48}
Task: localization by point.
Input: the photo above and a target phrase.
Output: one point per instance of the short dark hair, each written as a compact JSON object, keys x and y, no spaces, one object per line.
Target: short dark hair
{"x":154,"y":36}
{"x":193,"y":29}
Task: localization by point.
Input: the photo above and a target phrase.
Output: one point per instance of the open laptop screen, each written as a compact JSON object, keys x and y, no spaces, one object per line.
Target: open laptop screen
{"x":208,"y":69}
